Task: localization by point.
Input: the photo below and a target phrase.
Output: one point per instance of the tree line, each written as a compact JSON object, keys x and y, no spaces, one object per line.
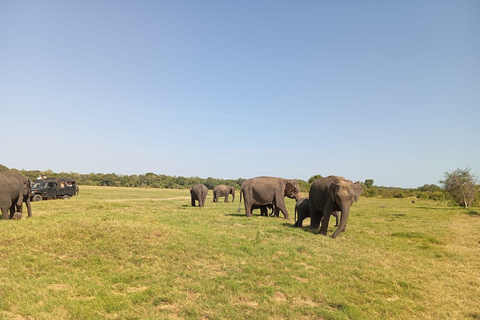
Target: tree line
{"x":459,"y":187}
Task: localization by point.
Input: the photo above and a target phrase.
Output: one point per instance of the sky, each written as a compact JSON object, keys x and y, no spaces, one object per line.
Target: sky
{"x":382,"y":90}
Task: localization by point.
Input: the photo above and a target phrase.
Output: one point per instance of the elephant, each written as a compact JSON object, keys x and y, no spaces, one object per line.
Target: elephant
{"x":331,"y":194}
{"x":303,"y":209}
{"x":198,"y":192}
{"x":223,"y":191}
{"x":77,"y":190}
{"x":268,"y":190}
{"x":17,"y":216}
{"x":14,"y":191}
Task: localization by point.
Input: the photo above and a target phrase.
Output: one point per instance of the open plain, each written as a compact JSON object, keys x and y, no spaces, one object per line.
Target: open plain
{"x":132,"y":253}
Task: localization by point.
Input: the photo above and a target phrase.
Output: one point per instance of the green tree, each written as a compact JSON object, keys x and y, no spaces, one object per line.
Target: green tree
{"x":460,"y":185}
{"x":304,"y":186}
{"x":429,"y":187}
{"x":315,"y":177}
{"x":369,"y":183}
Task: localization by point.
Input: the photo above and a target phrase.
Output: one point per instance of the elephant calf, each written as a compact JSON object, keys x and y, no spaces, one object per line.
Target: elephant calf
{"x":17,"y":216}
{"x":303,"y":209}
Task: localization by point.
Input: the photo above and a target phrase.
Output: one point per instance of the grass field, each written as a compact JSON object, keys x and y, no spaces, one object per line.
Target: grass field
{"x":119,"y":253}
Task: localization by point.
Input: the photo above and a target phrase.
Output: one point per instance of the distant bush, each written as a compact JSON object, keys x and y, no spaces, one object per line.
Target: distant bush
{"x":304,"y":187}
{"x":315,"y":177}
{"x":153,"y":180}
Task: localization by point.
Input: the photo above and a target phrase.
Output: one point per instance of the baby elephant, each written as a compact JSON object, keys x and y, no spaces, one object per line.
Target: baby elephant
{"x":303,"y":209}
{"x":17,"y":216}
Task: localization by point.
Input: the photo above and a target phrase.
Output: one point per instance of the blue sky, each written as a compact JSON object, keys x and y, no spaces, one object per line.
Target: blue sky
{"x":378,"y":90}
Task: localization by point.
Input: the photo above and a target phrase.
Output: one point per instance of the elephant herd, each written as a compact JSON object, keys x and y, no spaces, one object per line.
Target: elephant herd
{"x":328,"y":196}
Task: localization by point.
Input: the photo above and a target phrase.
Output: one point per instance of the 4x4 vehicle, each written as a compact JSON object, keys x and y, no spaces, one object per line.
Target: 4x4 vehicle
{"x":53,"y":188}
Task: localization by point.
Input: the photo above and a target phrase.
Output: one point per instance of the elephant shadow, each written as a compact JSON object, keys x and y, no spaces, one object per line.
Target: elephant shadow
{"x":473,"y":213}
{"x":235,"y":214}
{"x":304,"y":229}
{"x":288,"y":225}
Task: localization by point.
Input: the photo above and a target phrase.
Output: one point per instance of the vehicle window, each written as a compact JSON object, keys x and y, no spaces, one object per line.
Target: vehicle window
{"x":39,"y":185}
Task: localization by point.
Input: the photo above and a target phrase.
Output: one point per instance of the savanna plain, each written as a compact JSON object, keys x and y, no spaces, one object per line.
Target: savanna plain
{"x":131,"y":253}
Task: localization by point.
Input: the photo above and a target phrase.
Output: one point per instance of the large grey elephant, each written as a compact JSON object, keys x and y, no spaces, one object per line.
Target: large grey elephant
{"x":223,"y":191}
{"x":302,"y":208}
{"x":14,"y":191}
{"x":331,"y":194}
{"x":198,"y":193}
{"x":268,"y":190}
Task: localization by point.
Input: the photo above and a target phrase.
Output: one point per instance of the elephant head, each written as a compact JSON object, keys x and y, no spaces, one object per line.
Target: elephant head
{"x":292,"y":189}
{"x":343,"y":193}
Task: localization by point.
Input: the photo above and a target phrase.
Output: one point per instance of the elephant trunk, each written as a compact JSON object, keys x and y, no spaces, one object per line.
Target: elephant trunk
{"x":233,"y":195}
{"x":343,"y":219}
{"x":298,"y":196}
{"x":29,"y":207}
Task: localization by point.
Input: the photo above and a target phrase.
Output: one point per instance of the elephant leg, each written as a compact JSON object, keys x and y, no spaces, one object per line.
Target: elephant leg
{"x":283,"y":208}
{"x":248,"y":209}
{"x":299,"y":222}
{"x":12,"y":211}
{"x":193,"y":201}
{"x":263,"y":211}
{"x":325,"y":221}
{"x":5,"y":214}
{"x":226,"y":198}
{"x":336,"y":218}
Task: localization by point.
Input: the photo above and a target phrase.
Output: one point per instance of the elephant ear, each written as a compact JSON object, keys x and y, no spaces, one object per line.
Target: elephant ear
{"x":332,"y":190}
{"x":358,"y":191}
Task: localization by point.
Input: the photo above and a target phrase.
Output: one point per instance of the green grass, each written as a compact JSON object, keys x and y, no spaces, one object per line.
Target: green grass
{"x":120,"y":253}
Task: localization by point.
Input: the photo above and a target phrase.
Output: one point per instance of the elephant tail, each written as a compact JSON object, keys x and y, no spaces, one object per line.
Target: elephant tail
{"x":240,"y":203}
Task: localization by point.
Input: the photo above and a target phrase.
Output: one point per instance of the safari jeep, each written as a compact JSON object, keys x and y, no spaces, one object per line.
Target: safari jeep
{"x":53,"y":188}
